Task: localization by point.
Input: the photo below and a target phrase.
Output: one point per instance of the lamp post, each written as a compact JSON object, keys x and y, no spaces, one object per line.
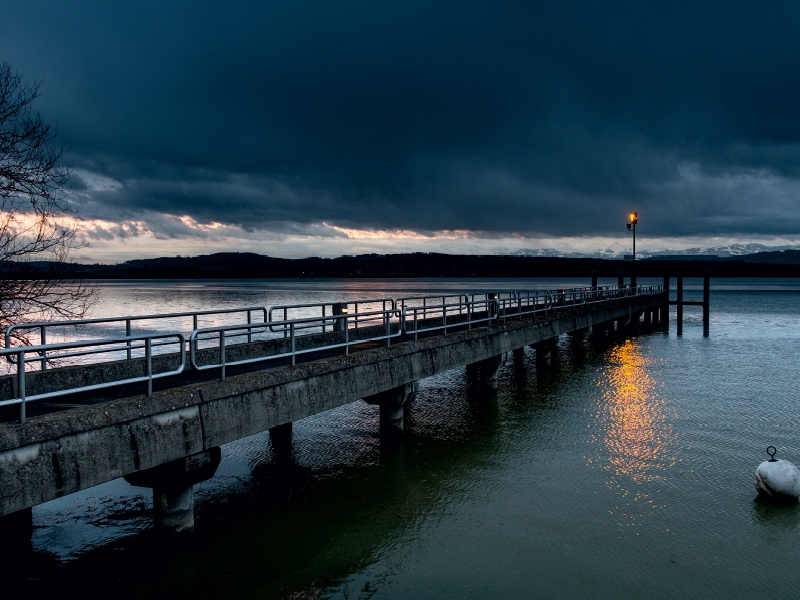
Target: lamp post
{"x":632,"y":227}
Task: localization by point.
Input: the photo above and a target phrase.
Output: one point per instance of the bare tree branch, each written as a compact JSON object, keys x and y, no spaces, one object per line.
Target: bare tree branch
{"x":36,"y":276}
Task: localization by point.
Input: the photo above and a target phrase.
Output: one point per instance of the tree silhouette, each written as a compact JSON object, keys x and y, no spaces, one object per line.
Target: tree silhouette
{"x":36,"y":236}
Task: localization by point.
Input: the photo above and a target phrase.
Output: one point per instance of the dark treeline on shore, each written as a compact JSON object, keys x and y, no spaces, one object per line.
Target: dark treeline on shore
{"x":249,"y":265}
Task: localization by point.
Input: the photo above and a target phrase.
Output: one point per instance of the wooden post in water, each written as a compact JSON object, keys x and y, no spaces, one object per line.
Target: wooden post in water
{"x":664,"y":317}
{"x":680,"y":299}
{"x":706,"y":295}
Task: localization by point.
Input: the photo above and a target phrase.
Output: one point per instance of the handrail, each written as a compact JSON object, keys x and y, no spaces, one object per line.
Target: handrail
{"x":21,"y":359}
{"x":128,"y":320}
{"x":334,"y":321}
{"x":491,"y":306}
{"x":324,"y":305}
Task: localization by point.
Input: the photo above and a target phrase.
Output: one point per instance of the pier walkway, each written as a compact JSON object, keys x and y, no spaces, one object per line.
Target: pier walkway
{"x":155,"y":407}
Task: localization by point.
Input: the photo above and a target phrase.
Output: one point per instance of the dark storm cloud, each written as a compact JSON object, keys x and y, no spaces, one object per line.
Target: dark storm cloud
{"x":494,"y":117}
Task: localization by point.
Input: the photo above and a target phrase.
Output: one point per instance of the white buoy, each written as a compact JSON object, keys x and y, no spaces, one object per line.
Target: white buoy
{"x":777,"y":478}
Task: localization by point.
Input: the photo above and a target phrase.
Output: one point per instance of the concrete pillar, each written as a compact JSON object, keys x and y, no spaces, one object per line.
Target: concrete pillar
{"x":486,"y":371}
{"x":173,"y":494}
{"x":340,"y":308}
{"x":519,"y":355}
{"x":545,"y":352}
{"x":15,"y":535}
{"x":599,"y":331}
{"x":579,"y":334}
{"x":648,"y":317}
{"x":281,"y":433}
{"x":680,"y":302}
{"x":392,"y":404}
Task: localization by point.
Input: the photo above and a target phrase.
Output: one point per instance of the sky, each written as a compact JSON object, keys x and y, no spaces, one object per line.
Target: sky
{"x":328,"y":127}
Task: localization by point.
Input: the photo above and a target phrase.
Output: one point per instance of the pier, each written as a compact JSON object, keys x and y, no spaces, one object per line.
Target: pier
{"x":155,"y":408}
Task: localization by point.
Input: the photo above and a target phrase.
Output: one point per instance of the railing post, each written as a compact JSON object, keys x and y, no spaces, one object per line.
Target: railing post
{"x":148,"y":358}
{"x":43,"y":338}
{"x":294,"y":349}
{"x":388,"y":329}
{"x":249,"y":329}
{"x":222,"y":354}
{"x":444,"y":317}
{"x":415,"y":325}
{"x":346,"y":336}
{"x":128,"y":334}
{"x":21,"y":384}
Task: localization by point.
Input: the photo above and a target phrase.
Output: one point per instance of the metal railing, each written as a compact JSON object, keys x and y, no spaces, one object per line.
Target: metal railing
{"x":328,"y":309}
{"x":525,"y":303}
{"x":486,"y":309}
{"x":120,"y":344}
{"x":335,"y":322}
{"x":404,"y":316}
{"x":45,"y":326}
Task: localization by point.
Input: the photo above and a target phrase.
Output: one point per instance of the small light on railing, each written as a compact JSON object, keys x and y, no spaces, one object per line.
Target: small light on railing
{"x":344,"y":311}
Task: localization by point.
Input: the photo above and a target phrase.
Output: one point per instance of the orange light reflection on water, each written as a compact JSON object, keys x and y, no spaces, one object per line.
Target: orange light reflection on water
{"x":632,"y":430}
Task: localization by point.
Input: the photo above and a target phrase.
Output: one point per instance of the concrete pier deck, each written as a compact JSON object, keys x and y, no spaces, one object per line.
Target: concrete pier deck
{"x":56,"y":454}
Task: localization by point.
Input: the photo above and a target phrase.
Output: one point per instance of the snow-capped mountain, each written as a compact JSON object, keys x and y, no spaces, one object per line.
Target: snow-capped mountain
{"x":720,"y":251}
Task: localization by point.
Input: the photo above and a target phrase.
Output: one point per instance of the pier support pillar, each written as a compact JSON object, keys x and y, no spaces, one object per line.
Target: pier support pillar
{"x":392,"y":404}
{"x":281,"y":434}
{"x":486,"y":371}
{"x":15,"y":534}
{"x":648,"y":317}
{"x":172,"y":483}
{"x":706,"y":296}
{"x":578,"y":337}
{"x":545,"y":352}
{"x":599,"y":331}
{"x":579,"y":334}
{"x":680,"y":302}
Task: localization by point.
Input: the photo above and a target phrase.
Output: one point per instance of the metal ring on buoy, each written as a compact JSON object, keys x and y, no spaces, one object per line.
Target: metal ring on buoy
{"x":772,"y":454}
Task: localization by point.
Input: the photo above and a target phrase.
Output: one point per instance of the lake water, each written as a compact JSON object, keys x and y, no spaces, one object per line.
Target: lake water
{"x":624,"y":472}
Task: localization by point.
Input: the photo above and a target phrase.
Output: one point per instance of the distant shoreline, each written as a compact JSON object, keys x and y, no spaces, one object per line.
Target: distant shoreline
{"x":230,"y":265}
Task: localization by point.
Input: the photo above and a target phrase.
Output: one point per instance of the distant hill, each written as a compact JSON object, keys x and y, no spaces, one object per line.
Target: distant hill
{"x":784,"y":257}
{"x":244,"y":265}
